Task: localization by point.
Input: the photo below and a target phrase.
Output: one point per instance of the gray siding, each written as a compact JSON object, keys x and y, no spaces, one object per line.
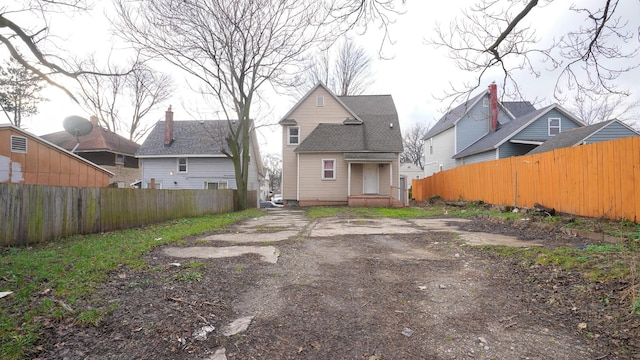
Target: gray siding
{"x":610,"y":132}
{"x":508,"y":149}
{"x":199,"y":170}
{"x":480,"y":157}
{"x":474,"y":125}
{"x":539,"y":129}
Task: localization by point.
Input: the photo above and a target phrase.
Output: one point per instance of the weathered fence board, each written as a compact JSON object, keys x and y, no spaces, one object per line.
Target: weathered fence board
{"x":33,"y":214}
{"x":596,"y":180}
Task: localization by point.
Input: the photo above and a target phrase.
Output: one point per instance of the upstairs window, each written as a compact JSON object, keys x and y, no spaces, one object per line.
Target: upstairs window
{"x":18,"y":144}
{"x":182,"y":165}
{"x":328,"y":169}
{"x":119,"y":159}
{"x":319,"y":100}
{"x":554,"y":126}
{"x":293,"y":136}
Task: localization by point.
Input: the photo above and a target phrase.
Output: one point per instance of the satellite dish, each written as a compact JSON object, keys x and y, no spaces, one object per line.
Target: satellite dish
{"x":77,"y":126}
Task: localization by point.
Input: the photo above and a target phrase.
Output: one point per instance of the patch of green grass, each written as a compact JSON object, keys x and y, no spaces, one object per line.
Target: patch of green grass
{"x":636,"y":303}
{"x":189,"y":277}
{"x":48,"y":280}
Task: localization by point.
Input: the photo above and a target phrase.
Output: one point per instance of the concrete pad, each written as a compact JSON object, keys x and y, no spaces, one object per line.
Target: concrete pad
{"x":480,"y":238}
{"x":267,"y":253}
{"x":332,"y":227}
{"x":219,"y":354}
{"x":251,"y":237}
{"x":439,"y":224}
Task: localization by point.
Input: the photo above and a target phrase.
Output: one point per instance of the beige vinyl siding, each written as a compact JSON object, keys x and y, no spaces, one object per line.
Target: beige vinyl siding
{"x":357,"y":185}
{"x":308,"y":116}
{"x":312,"y":187}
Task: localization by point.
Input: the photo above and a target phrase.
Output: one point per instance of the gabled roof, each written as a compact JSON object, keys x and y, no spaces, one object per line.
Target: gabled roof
{"x":506,"y":131}
{"x":575,"y":137}
{"x":377,"y":131}
{"x":514,"y":109}
{"x":54,"y":146}
{"x":99,"y":139}
{"x":518,"y":108}
{"x":285,"y":119}
{"x":449,"y":119}
{"x":192,"y":137}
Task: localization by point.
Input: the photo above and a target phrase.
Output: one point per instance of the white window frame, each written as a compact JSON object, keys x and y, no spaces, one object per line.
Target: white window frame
{"x":225,"y":183}
{"x":440,"y":167}
{"x":319,"y":100}
{"x":549,"y":127}
{"x":19,"y":144}
{"x":333,"y":169}
{"x":289,"y":142}
{"x":118,"y":156}
{"x":186,"y":165}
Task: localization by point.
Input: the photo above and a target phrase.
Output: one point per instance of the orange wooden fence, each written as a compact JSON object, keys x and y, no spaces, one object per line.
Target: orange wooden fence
{"x":595,"y":180}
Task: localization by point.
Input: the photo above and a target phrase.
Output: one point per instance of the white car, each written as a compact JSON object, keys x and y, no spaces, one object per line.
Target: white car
{"x":277,"y":199}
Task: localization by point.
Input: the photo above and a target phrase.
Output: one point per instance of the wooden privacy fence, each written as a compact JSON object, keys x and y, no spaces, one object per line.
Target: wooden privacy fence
{"x":595,"y":180}
{"x":33,"y":214}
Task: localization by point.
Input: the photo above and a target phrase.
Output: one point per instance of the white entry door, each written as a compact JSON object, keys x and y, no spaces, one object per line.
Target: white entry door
{"x":370,"y":179}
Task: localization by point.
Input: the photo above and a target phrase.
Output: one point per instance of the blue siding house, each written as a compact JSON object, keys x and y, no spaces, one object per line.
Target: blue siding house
{"x":466,"y":124}
{"x":520,"y":136}
{"x":189,"y":155}
{"x":603,"y":131}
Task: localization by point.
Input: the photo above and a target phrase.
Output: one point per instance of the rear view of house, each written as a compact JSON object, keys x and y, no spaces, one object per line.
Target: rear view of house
{"x":340,"y":150}
{"x":189,"y":154}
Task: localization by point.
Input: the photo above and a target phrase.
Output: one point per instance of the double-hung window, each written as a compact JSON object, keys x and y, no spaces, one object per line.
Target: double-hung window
{"x":293,"y":135}
{"x":182,"y":165}
{"x":328,"y":169}
{"x":554,"y":126}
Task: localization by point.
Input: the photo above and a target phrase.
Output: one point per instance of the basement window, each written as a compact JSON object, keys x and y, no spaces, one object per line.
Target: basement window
{"x":213,"y":185}
{"x":18,"y":144}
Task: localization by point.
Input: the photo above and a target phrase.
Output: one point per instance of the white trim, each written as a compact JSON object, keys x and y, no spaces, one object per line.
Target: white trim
{"x":549,"y":126}
{"x":186,"y":165}
{"x":348,"y":179}
{"x":526,"y":142}
{"x":333,"y":169}
{"x":320,"y":84}
{"x":297,"y":177}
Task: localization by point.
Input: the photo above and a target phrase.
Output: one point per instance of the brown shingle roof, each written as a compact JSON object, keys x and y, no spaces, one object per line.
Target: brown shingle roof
{"x":99,"y":139}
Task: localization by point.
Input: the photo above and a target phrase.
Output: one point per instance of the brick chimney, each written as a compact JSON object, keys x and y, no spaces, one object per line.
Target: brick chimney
{"x":94,"y":120}
{"x":493,"y":106}
{"x":168,"y":127}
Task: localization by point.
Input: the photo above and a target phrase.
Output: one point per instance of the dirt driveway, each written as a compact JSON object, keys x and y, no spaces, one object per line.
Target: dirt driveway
{"x":284,"y":287}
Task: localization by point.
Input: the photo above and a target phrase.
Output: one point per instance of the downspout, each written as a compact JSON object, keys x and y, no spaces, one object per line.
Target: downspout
{"x":298,"y":178}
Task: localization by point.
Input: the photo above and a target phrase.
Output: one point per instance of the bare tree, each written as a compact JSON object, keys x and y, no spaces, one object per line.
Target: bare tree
{"x":352,"y":69}
{"x":595,"y":109}
{"x":232,"y":47}
{"x":589,"y":58}
{"x":413,"y":142}
{"x":346,"y":71}
{"x":136,"y":93}
{"x":25,"y":34}
{"x":19,"y":92}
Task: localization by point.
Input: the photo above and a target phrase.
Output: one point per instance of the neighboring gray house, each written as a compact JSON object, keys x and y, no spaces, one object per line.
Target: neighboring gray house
{"x":603,"y":131}
{"x":483,"y":129}
{"x":188,"y":155}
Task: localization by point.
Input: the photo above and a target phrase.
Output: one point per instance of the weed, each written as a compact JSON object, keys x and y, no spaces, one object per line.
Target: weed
{"x":189,"y":277}
{"x":90,"y":317}
{"x":239,"y":267}
{"x":193,"y":265}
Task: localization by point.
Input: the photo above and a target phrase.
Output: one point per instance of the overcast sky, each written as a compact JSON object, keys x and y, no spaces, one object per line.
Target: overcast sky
{"x":413,"y":72}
